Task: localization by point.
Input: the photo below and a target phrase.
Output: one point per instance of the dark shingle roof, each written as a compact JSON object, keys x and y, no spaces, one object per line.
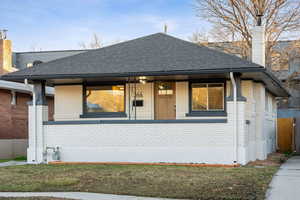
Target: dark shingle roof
{"x":21,"y":59}
{"x":154,"y":53}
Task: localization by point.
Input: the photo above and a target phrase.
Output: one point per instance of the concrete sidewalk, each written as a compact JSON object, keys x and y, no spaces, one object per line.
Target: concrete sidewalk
{"x":285,"y":184}
{"x":12,"y":163}
{"x":75,"y":195}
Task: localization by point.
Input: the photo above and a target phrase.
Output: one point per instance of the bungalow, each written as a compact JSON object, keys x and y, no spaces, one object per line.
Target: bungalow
{"x":154,"y":99}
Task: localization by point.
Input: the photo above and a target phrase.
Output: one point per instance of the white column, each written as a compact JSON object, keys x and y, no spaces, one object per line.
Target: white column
{"x":260,"y":119}
{"x":242,"y":133}
{"x":258,"y":45}
{"x":37,"y":114}
{"x":36,"y":137}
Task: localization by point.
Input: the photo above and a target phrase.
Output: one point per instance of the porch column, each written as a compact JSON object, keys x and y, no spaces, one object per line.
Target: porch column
{"x":261,"y":143}
{"x":38,"y":113}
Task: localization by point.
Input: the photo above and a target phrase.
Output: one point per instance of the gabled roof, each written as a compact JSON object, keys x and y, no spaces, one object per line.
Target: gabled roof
{"x":154,"y":53}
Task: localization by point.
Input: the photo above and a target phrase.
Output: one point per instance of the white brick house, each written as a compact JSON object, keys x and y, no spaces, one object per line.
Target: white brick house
{"x":154,"y":99}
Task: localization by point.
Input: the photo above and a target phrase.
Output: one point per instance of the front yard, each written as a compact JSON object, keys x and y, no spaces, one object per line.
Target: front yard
{"x":156,"y":181}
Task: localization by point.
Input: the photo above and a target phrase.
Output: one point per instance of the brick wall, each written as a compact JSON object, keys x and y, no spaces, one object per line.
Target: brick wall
{"x":14,"y":118}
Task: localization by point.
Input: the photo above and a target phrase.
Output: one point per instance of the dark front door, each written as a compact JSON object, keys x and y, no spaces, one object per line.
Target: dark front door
{"x":165,"y":100}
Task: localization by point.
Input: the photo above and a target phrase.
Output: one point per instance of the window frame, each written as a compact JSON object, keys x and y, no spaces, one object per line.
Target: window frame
{"x":86,"y":114}
{"x":193,"y":113}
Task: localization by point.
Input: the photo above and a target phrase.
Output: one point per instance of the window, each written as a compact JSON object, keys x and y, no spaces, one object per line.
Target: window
{"x":207,"y":97}
{"x":165,"y":88}
{"x":105,"y":99}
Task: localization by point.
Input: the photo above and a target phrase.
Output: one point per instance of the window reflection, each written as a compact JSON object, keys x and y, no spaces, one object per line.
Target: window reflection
{"x":207,"y":97}
{"x":109,"y":98}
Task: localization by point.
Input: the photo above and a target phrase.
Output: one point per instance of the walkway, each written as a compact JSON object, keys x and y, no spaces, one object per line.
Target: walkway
{"x":75,"y":195}
{"x":286,"y":183}
{"x":12,"y":163}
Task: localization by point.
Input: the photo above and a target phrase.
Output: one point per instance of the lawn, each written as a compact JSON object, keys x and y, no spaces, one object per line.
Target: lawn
{"x":21,"y":158}
{"x":4,"y":160}
{"x":211,"y":183}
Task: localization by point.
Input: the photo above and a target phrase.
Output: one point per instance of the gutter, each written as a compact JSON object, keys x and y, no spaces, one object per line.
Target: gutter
{"x":235,"y":124}
{"x":23,"y":87}
{"x":267,"y":73}
{"x":15,"y":77}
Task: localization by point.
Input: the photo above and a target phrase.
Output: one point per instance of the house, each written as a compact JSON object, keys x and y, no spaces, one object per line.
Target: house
{"x":13,"y":106}
{"x":154,"y":99}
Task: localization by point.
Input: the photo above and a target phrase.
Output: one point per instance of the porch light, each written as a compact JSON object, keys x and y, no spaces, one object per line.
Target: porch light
{"x":142,"y":79}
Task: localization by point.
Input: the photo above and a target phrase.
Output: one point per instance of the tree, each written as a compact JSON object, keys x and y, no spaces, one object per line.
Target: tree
{"x":95,"y":43}
{"x":199,"y":37}
{"x":236,"y":18}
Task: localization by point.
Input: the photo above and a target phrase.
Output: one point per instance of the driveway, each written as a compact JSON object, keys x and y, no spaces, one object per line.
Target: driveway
{"x":285,"y":184}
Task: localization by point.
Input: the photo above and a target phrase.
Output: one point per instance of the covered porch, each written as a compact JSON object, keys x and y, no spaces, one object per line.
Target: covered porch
{"x":147,"y":98}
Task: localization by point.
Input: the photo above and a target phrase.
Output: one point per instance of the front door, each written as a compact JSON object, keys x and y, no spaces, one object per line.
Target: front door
{"x":165,"y":100}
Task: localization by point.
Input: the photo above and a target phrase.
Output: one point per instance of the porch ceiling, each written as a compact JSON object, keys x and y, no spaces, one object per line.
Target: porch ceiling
{"x":272,"y":84}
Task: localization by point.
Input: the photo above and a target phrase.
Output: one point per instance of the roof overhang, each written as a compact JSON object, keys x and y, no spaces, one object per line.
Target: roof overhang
{"x":258,"y":74}
{"x":22,"y":88}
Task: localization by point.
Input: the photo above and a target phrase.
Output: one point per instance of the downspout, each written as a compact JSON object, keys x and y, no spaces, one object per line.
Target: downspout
{"x":134,"y":98}
{"x":34,"y":124}
{"x":129,"y":99}
{"x":235,"y":124}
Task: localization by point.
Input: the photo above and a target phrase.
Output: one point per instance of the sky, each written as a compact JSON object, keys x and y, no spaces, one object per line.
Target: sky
{"x":63,"y":24}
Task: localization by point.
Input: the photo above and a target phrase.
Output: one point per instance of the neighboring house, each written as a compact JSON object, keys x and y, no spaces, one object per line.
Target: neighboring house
{"x":23,"y":60}
{"x":14,"y":98}
{"x":154,"y":99}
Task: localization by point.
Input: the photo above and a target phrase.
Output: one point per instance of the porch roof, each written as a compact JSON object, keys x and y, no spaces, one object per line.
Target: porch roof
{"x":154,"y":55}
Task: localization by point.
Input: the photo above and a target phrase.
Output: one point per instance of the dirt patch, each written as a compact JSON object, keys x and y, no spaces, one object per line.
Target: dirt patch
{"x":274,"y":159}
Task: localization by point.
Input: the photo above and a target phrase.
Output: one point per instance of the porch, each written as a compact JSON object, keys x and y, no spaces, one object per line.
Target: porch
{"x":146,"y":120}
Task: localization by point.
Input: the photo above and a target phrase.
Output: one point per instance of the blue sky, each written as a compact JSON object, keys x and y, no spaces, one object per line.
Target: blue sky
{"x":63,"y":24}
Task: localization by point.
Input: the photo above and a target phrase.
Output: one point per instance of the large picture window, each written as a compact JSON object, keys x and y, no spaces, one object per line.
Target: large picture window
{"x":105,"y":99}
{"x":207,"y":97}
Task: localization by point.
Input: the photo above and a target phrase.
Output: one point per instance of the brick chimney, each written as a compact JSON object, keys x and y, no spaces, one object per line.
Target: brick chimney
{"x":259,"y":43}
{"x":5,"y":54}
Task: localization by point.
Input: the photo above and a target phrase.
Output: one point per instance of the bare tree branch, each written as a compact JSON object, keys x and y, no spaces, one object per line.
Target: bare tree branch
{"x":95,"y":43}
{"x":236,"y":18}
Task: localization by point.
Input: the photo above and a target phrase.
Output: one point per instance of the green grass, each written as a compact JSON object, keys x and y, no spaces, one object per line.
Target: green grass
{"x":20,"y":158}
{"x":213,"y":183}
{"x":4,"y":160}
